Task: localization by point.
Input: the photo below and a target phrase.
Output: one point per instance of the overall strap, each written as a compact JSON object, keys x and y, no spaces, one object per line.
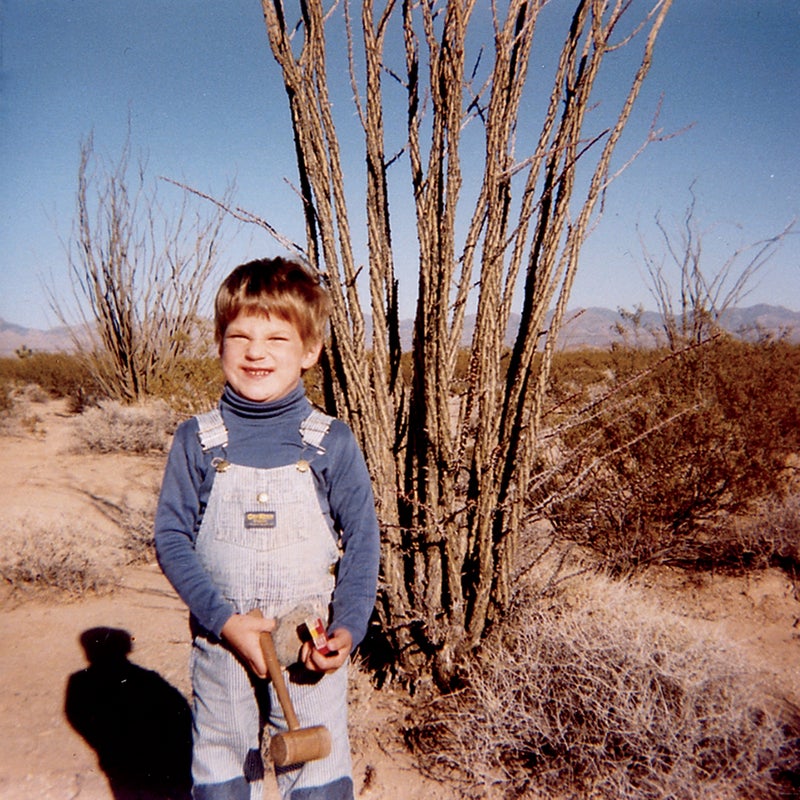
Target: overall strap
{"x":213,"y":432}
{"x":314,"y":428}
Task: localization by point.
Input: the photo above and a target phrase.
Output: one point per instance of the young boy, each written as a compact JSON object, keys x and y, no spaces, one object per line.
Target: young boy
{"x":266,"y":503}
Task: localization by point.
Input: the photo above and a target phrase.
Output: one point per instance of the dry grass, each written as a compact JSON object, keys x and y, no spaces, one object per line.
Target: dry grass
{"x":139,"y":544}
{"x":116,"y":428}
{"x":18,"y":412}
{"x":772,"y":536}
{"x":57,"y":375}
{"x":601,"y":695}
{"x":53,"y":558}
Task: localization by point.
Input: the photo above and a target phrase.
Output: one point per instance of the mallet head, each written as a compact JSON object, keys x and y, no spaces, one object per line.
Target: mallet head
{"x":300,"y":745}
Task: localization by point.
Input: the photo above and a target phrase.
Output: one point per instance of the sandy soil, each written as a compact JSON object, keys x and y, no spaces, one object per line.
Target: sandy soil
{"x":45,"y":483}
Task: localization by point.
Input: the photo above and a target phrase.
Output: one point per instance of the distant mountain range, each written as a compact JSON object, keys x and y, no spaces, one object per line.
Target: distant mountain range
{"x":589,"y":327}
{"x":13,"y":337}
{"x":596,"y":327}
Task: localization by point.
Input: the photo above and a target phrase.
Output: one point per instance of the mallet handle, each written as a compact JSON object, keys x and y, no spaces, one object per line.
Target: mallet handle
{"x":276,"y":675}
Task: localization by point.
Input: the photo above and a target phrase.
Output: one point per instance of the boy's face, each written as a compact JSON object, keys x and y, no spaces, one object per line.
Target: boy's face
{"x":264,"y":357}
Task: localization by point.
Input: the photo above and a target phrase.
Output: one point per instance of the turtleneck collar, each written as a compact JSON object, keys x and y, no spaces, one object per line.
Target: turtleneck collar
{"x":295,"y":400}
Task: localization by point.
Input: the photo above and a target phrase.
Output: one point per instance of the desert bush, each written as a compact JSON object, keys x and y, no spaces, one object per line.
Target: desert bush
{"x":58,"y":374}
{"x":600,"y":694}
{"x":137,"y":265}
{"x":647,"y":474}
{"x":18,"y":412}
{"x":53,"y":558}
{"x":113,"y":427}
{"x":190,"y":385}
{"x":6,"y":396}
{"x":137,"y":527}
{"x":769,"y":537}
{"x":576,"y":374}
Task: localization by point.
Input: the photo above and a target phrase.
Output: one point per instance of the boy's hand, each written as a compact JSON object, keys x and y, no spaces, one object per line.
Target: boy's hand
{"x":340,"y":643}
{"x":243,"y":633}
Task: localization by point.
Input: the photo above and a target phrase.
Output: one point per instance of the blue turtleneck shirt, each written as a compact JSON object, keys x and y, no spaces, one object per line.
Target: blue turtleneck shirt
{"x":266,"y":435}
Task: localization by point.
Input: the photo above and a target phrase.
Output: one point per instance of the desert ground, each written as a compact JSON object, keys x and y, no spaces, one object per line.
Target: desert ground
{"x":48,"y":485}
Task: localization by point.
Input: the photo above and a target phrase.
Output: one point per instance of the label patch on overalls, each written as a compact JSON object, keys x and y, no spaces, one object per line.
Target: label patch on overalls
{"x":259,"y":519}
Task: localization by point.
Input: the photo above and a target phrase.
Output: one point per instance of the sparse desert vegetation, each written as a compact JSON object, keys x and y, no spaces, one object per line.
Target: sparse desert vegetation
{"x":112,"y":427}
{"x":53,"y":559}
{"x":663,"y":457}
{"x":599,"y":692}
{"x":600,"y":683}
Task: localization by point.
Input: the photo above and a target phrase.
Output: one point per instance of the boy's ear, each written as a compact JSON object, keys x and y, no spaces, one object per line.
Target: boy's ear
{"x":312,"y":354}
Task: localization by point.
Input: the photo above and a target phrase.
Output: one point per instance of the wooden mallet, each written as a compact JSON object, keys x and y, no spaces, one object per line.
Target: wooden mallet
{"x":297,"y":745}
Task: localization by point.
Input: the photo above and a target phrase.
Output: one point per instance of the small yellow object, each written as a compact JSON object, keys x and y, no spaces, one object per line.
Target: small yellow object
{"x":302,"y":465}
{"x":220,"y":464}
{"x":262,"y":497}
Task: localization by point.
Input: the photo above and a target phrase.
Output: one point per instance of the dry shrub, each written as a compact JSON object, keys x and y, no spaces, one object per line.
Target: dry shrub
{"x":136,"y":526}
{"x":113,"y":427}
{"x":58,"y":374}
{"x":190,"y":385}
{"x":6,"y":397}
{"x":602,"y":695}
{"x":53,"y":558}
{"x":18,"y":411}
{"x":646,"y":475}
{"x":769,"y":537}
{"x":139,"y":544}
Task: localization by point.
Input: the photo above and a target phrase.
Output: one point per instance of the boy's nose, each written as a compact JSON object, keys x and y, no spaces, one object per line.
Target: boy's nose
{"x":256,"y":349}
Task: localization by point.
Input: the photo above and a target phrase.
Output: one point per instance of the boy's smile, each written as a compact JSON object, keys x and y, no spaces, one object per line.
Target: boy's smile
{"x":264,"y":357}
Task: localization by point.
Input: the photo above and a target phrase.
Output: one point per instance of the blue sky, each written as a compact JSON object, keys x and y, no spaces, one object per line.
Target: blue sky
{"x":206,"y":105}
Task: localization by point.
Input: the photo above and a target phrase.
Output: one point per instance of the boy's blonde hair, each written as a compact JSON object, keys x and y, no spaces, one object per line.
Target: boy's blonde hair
{"x":276,"y":287}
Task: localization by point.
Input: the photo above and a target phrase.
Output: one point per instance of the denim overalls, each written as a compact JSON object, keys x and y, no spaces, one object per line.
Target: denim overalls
{"x":266,"y":543}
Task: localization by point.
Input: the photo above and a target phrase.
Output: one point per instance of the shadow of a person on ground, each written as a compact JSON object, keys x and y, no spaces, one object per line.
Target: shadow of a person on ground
{"x":139,"y":725}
